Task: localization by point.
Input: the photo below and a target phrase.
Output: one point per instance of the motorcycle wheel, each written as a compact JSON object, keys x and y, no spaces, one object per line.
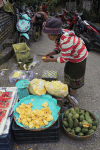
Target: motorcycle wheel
{"x":36,"y":34}
{"x":76,"y":30}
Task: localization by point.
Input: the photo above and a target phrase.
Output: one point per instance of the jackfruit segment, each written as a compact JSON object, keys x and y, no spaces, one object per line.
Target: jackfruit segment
{"x":34,"y":118}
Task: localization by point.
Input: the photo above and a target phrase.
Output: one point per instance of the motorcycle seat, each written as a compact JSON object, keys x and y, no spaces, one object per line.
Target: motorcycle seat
{"x":94,"y":26}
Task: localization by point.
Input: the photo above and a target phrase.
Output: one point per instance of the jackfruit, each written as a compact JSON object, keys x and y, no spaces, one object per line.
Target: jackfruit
{"x":81,"y":112}
{"x":65,"y":119}
{"x":72,"y":111}
{"x":85,"y":123}
{"x":90,"y":126}
{"x":69,"y":115}
{"x":72,"y":131}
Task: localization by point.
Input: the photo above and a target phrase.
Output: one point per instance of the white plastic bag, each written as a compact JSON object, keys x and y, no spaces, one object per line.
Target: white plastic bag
{"x":57,"y":88}
{"x":37,"y":87}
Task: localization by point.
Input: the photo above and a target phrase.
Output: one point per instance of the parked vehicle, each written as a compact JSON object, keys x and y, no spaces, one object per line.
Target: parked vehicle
{"x":62,"y":17}
{"x":73,"y":21}
{"x":25,"y":28}
{"x":91,"y":35}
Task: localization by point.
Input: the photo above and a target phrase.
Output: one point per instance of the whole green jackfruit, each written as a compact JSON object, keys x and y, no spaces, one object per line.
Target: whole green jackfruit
{"x":81,"y":134}
{"x":90,"y":132}
{"x":95,"y":123}
{"x":65,"y":123}
{"x":84,"y":130}
{"x":66,"y":113}
{"x":77,"y":129}
{"x":81,"y":117}
{"x":75,"y":123}
{"x":70,"y":122}
{"x":76,"y":116}
{"x":77,"y":109}
{"x":68,"y":129}
{"x":81,"y":124}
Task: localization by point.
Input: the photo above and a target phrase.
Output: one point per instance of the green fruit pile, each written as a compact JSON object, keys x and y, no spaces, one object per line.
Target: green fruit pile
{"x":79,"y":122}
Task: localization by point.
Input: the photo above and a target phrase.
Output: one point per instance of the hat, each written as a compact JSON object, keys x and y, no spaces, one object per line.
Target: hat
{"x":52,"y":26}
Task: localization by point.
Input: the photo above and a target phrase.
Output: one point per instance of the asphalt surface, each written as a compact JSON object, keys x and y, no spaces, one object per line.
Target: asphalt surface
{"x":88,"y":96}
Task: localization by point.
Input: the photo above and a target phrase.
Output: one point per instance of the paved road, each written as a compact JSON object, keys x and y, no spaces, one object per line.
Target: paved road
{"x":88,"y":96}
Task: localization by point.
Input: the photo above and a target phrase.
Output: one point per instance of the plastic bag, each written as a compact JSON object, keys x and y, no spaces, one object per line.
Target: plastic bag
{"x":57,"y":88}
{"x":37,"y":87}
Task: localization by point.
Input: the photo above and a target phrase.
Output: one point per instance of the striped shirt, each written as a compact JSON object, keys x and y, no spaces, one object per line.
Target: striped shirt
{"x":72,"y":48}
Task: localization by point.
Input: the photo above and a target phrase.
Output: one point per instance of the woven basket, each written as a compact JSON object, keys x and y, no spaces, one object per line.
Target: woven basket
{"x":80,"y":137}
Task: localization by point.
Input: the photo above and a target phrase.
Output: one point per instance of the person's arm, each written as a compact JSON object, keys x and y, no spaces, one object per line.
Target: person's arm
{"x":48,"y":59}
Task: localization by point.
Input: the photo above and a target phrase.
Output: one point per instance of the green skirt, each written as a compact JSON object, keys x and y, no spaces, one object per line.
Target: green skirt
{"x":74,"y":74}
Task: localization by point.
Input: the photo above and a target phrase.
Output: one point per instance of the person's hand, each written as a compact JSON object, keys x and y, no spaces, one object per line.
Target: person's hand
{"x":46,"y":58}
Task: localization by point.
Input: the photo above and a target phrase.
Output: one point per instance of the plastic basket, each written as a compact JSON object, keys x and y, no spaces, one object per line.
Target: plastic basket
{"x":80,"y":137}
{"x":28,"y":76}
{"x":22,"y":51}
{"x":23,"y":136}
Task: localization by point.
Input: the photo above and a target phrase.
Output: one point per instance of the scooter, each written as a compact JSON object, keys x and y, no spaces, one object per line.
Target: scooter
{"x":91,"y":35}
{"x":23,"y":26}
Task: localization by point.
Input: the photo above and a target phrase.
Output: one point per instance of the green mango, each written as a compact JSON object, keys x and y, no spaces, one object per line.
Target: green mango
{"x":81,"y":112}
{"x":90,"y":126}
{"x":75,"y":123}
{"x":84,"y":130}
{"x":69,"y":115}
{"x":81,"y":124}
{"x":65,"y":123}
{"x":66,"y":113}
{"x":90,"y":132}
{"x":73,"y":131}
{"x":70,"y":122}
{"x":77,"y":109}
{"x":65,"y":119}
{"x":68,"y":129}
{"x":76,"y":116}
{"x":81,"y":134}
{"x":77,"y":129}
{"x":72,"y":111}
{"x":88,"y":118}
{"x":95,"y":123}
{"x":94,"y":127}
{"x":81,"y":117}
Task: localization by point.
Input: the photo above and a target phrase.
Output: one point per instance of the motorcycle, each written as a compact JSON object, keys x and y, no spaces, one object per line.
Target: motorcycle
{"x":91,"y":35}
{"x":62,"y":17}
{"x":73,"y":21}
{"x":25,"y":28}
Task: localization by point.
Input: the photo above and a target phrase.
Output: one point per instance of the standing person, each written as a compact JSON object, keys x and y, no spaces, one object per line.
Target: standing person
{"x":73,"y":50}
{"x":44,"y":7}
